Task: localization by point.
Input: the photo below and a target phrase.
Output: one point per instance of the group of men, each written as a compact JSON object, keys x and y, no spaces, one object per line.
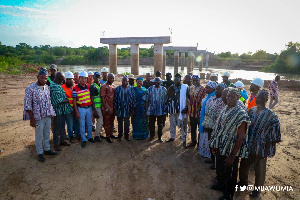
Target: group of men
{"x":228,"y":130}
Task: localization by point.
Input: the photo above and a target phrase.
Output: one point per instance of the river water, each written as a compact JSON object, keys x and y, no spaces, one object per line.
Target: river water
{"x":234,"y":74}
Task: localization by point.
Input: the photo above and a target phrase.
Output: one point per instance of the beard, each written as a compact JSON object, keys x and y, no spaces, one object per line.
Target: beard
{"x":69,"y":85}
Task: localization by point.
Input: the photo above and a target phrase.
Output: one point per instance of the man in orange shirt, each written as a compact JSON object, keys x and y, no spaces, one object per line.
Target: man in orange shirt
{"x":71,"y":120}
{"x":255,"y":86}
{"x":107,"y":93}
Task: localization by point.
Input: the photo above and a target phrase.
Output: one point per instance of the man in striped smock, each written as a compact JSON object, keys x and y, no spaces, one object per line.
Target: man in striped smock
{"x":264,"y":133}
{"x":62,"y":108}
{"x":230,"y":142}
{"x":83,"y":108}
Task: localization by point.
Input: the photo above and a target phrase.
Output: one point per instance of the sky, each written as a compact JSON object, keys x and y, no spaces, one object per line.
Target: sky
{"x":216,"y":25}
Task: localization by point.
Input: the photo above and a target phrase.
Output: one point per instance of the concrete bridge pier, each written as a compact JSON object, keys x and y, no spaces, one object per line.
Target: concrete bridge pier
{"x":201,"y":62}
{"x":113,"y":58}
{"x":176,"y":62}
{"x":182,"y":60}
{"x":134,"y":58}
{"x":163,"y":71}
{"x":158,"y":57}
{"x":190,"y":62}
{"x":206,"y":60}
{"x":193,"y":61}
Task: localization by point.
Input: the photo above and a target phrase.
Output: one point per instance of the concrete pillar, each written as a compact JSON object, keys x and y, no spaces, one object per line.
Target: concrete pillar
{"x":201,"y":62}
{"x":207,"y":57}
{"x":189,"y":65}
{"x":176,"y":62}
{"x":158,"y":57}
{"x":182,"y":60}
{"x":134,"y":59}
{"x":113,"y":58}
{"x":163,"y":71}
{"x":193,"y":61}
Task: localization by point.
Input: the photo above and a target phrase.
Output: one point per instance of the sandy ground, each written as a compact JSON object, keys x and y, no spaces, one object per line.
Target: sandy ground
{"x":128,"y":170}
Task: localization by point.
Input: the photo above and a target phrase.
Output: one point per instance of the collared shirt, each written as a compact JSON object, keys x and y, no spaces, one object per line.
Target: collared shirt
{"x":57,"y":95}
{"x":123,"y":100}
{"x":225,"y":131}
{"x":264,"y":128}
{"x":173,"y":102}
{"x":102,"y":81}
{"x":157,"y":98}
{"x":107,"y":97}
{"x":196,"y":96}
{"x":38,"y":101}
{"x":273,"y":87}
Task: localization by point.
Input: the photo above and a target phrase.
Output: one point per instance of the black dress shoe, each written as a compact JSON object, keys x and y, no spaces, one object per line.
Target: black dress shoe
{"x":57,"y":148}
{"x":217,"y":186}
{"x":92,"y":140}
{"x":170,"y":140}
{"x":184,"y":145}
{"x":50,"y":152}
{"x":109,"y":140}
{"x":191,"y":145}
{"x":41,"y":158}
{"x":64,"y":143}
{"x":119,"y":138}
{"x":160,"y":140}
{"x":212,"y":167}
{"x":83,"y":144}
{"x":114,"y":137}
{"x":208,"y":160}
{"x":255,"y":193}
{"x":98,"y":139}
{"x":102,"y":137}
{"x":128,"y":139}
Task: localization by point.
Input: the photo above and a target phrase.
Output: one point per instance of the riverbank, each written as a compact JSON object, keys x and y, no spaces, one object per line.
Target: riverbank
{"x":127,"y":170}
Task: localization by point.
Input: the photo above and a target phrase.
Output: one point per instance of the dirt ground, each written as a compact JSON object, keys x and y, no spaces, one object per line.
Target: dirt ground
{"x":128,"y":170}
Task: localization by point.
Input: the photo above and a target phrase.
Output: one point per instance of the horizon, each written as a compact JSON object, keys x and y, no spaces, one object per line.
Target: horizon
{"x":238,"y":27}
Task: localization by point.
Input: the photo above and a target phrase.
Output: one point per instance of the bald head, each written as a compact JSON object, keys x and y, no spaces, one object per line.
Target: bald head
{"x":59,"y":78}
{"x":110,"y":78}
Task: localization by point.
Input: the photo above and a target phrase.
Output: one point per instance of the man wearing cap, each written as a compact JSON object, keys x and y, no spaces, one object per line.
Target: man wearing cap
{"x":123,"y":107}
{"x":147,"y":83}
{"x":83,"y":107}
{"x":53,"y":70}
{"x":214,"y":77}
{"x":131,"y":80}
{"x":226,"y":80}
{"x":168,"y":83}
{"x":156,"y":99}
{"x":96,"y":106}
{"x":104,"y":72}
{"x":107,"y":93}
{"x":90,"y":78}
{"x":61,"y":106}
{"x":38,"y":109}
{"x":197,"y":93}
{"x":177,"y":106}
{"x":71,"y":120}
{"x":255,"y":86}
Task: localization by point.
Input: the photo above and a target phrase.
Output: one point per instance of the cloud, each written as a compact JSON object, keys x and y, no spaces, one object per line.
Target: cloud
{"x":24,"y":12}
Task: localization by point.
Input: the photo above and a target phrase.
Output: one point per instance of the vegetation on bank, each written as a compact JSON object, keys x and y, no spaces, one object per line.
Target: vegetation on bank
{"x":288,"y":61}
{"x":13,"y":65}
